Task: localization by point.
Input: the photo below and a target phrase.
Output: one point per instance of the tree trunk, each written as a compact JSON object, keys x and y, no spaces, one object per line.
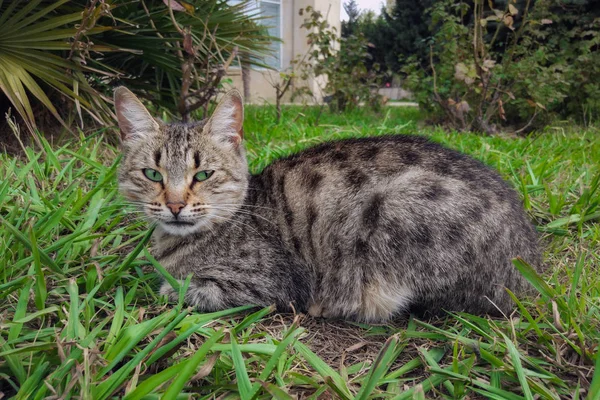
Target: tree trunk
{"x":246,"y":76}
{"x":278,"y":96}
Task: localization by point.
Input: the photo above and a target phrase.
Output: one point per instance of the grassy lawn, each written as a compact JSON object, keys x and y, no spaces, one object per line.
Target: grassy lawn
{"x":80,"y":317}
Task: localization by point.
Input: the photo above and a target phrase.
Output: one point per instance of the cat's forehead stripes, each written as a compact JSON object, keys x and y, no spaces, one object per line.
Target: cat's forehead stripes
{"x":179,"y":151}
{"x":177,"y":141}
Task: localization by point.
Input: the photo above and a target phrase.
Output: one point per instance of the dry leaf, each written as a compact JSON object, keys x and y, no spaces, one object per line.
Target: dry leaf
{"x":187,"y":42}
{"x":206,"y":369}
{"x":460,"y":71}
{"x":175,"y":6}
{"x":512,"y":9}
{"x":488,"y":64}
{"x":355,"y":347}
{"x":463,"y":107}
{"x":546,"y":21}
{"x":557,"y":322}
{"x":501,"y":110}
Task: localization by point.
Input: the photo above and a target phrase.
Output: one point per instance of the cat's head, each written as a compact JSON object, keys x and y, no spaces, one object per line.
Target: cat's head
{"x":184,"y":176}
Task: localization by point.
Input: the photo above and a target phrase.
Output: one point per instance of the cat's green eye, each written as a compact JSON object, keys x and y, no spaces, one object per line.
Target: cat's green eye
{"x":153,"y":175}
{"x":203,"y":175}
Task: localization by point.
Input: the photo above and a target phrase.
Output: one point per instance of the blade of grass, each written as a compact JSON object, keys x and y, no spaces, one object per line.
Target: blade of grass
{"x":31,"y":384}
{"x":27,"y":243}
{"x":161,"y":270}
{"x":117,"y":320}
{"x":153,"y":382}
{"x":189,"y":329}
{"x":41,"y":293}
{"x":575,"y":281}
{"x":109,"y":280}
{"x":382,"y":364}
{"x":516,"y":361}
{"x":290,"y":336}
{"x":74,"y":329}
{"x":276,"y":392}
{"x":189,"y":367}
{"x":130,"y":337}
{"x":433,"y":364}
{"x":243,"y":380}
{"x":119,"y":378}
{"x":252,"y":318}
{"x":330,"y":376}
{"x":594,"y":390}
{"x":533,"y":277}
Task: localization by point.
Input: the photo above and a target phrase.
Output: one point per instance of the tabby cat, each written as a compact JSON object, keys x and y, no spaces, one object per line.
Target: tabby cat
{"x":360,"y":229}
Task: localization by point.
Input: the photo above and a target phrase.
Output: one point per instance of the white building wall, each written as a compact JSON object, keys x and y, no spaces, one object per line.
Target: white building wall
{"x":294,"y":43}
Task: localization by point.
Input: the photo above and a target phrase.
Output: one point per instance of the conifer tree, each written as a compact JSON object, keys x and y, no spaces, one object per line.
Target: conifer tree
{"x":349,"y":27}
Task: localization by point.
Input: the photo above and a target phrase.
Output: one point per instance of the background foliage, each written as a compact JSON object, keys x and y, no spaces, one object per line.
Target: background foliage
{"x":545,"y":56}
{"x":342,"y":61}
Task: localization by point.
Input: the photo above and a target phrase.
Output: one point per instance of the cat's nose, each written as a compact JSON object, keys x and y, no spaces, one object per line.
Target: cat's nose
{"x":176,"y":207}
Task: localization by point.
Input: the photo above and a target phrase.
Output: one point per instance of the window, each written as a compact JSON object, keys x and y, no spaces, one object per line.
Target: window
{"x":270,"y":10}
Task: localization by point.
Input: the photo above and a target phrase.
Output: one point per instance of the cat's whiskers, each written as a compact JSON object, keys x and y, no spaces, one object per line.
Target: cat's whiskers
{"x":234,"y":210}
{"x":244,"y":212}
{"x":249,"y":205}
{"x":234,"y":221}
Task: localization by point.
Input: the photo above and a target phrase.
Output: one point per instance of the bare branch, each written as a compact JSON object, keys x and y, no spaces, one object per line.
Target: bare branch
{"x":175,"y":24}
{"x":528,"y":123}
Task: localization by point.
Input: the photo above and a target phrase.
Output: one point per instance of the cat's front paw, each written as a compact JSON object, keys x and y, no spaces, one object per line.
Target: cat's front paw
{"x":167,"y":290}
{"x":204,"y":297}
{"x":315,"y":310}
{"x":319,"y":311}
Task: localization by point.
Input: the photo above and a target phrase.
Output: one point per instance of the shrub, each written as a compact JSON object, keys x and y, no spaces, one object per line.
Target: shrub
{"x":572,"y":44}
{"x":515,"y":67}
{"x":341,"y":61}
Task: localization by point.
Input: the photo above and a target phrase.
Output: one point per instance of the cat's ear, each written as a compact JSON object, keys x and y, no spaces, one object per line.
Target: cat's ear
{"x":135,"y":121}
{"x":227,"y":119}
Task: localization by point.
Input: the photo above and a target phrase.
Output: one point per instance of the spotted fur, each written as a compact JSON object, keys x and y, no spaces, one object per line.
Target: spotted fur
{"x":361,"y":229}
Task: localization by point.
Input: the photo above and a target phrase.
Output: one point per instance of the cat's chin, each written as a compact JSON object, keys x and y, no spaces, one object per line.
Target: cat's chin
{"x":184,"y":229}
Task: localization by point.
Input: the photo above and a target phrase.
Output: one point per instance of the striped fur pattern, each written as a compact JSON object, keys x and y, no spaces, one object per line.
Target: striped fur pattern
{"x":360,"y":229}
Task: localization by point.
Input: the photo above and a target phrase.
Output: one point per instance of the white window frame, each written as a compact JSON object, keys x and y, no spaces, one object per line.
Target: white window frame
{"x":280,"y":4}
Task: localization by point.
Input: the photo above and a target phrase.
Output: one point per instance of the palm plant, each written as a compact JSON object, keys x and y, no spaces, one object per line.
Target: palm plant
{"x":217,"y":33}
{"x":78,"y":49}
{"x":40,"y":52}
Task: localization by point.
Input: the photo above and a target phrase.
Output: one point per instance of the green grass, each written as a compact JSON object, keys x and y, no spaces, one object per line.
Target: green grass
{"x":80,"y":317}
